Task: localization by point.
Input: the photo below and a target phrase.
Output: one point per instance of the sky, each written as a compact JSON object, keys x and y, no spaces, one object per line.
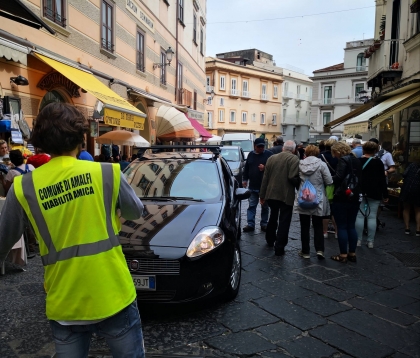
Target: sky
{"x":305,"y":42}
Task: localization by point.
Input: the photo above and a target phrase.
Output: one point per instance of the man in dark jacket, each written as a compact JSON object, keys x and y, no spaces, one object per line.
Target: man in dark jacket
{"x":254,"y":172}
{"x":278,"y":146}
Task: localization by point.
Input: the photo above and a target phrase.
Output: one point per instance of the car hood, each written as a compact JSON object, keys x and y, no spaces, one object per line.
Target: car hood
{"x":234,"y":165}
{"x":169,"y":225}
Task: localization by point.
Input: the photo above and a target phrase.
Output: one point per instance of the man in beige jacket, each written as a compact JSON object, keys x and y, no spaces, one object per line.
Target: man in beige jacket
{"x":278,"y":188}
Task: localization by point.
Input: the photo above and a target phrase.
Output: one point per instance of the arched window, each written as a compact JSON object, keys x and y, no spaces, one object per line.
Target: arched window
{"x":51,"y":97}
{"x":361,"y":62}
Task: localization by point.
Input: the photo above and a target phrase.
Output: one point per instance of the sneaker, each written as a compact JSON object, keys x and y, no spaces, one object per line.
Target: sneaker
{"x":264,"y":228}
{"x":407,"y":232}
{"x":331,"y":230}
{"x":305,"y":256}
{"x":320,"y":255}
{"x":248,"y":228}
{"x":336,"y":236}
{"x":359,"y":242}
{"x":417,"y":233}
{"x":370,"y":245}
{"x":325,"y":235}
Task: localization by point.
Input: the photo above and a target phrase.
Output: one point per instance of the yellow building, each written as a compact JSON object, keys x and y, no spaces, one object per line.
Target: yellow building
{"x":246,"y":99}
{"x":127,"y":56}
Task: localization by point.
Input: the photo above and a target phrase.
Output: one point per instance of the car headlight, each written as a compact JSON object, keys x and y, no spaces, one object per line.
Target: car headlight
{"x":235,"y":171}
{"x":205,"y":241}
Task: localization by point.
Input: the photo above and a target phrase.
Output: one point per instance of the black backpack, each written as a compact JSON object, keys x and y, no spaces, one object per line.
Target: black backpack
{"x":350,"y":186}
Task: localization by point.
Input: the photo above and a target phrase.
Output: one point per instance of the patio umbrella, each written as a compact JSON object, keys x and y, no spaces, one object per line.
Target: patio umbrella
{"x":172,"y":124}
{"x":122,"y":137}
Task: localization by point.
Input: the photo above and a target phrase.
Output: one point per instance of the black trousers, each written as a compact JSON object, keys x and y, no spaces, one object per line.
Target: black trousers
{"x":305,"y":226}
{"x":279,"y":223}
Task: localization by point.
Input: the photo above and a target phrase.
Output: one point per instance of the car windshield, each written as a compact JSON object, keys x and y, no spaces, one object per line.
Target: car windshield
{"x":175,"y":178}
{"x":230,"y":155}
{"x":246,"y":145}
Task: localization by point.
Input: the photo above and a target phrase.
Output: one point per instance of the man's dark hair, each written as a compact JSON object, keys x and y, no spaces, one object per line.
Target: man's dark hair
{"x":124,"y":157}
{"x":387,"y":146}
{"x":321,"y":146}
{"x":59,"y":128}
{"x":16,"y":157}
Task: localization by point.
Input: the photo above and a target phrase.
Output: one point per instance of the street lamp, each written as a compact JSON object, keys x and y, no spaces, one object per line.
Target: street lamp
{"x":211,"y":96}
{"x":169,"y":54}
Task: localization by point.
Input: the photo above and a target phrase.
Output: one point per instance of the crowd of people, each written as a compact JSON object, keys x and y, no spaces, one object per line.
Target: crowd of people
{"x":338,"y":187}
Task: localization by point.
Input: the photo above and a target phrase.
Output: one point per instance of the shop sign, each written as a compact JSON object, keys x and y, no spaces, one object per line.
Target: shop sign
{"x":121,"y":119}
{"x":199,"y":116}
{"x":134,"y":7}
{"x":356,"y":128}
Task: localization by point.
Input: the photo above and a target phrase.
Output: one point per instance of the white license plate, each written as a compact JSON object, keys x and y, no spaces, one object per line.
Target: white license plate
{"x":144,"y":282}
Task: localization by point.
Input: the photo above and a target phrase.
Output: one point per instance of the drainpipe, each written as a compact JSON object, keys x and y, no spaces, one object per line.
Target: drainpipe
{"x":176,"y":51}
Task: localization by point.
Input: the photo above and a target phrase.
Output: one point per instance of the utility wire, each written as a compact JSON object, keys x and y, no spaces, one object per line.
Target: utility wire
{"x":288,"y":17}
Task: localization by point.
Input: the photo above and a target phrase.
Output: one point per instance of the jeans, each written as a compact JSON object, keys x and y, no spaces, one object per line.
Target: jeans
{"x":122,"y":332}
{"x":281,"y":213}
{"x":371,"y":220}
{"x":252,"y":209}
{"x":345,"y":218}
{"x":305,"y":225}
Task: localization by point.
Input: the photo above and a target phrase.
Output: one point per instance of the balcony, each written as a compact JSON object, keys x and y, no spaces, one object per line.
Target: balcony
{"x":245,"y":94}
{"x":234,"y":93}
{"x":184,"y":97}
{"x":300,"y":97}
{"x":361,"y":68}
{"x":327,"y":101}
{"x":264,"y":97}
{"x":209,"y":89}
{"x":288,"y":95}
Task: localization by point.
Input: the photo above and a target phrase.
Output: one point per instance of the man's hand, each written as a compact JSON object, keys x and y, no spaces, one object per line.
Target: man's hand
{"x":244,"y":184}
{"x":261,"y":167}
{"x":262,"y":201}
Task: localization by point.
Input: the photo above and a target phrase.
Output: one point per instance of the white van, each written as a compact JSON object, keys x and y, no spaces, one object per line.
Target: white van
{"x":243,"y":140}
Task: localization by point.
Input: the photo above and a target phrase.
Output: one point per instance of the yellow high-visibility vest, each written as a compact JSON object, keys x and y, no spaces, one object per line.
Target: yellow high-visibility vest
{"x":71,"y":205}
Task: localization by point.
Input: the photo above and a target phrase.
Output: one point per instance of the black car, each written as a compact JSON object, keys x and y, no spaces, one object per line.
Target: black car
{"x":235,"y":158}
{"x":185,"y":246}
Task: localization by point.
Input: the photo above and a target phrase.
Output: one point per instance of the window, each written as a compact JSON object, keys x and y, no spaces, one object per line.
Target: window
{"x":165,"y":214}
{"x":253,"y":117}
{"x":54,"y":11}
{"x":274,"y":120}
{"x":195,"y":28}
{"x":286,"y":87}
{"x":163,"y":178}
{"x":284,"y":115}
{"x":195,"y":100}
{"x":154,"y":223}
{"x":357,"y":88}
{"x":245,"y":92}
{"x":298,"y":89}
{"x":262,"y":118}
{"x":180,"y":75}
{"x":146,"y":231}
{"x":361,"y":62}
{"x":171,"y":167}
{"x":202,"y":41}
{"x":327,"y":94}
{"x":221,"y":115}
{"x":210,"y":119}
{"x":107,"y":40}
{"x":163,"y":68}
{"x":222,"y":82}
{"x":244,"y":114}
{"x":143,"y":183}
{"x":155,"y":168}
{"x":181,"y":10}
{"x":233,"y":87}
{"x":140,"y":51}
{"x":326,"y":117}
{"x":264,"y":89}
{"x":297,"y":115}
{"x":232,"y":116}
{"x":209,"y":101}
{"x":222,"y":101}
{"x":275,"y":91}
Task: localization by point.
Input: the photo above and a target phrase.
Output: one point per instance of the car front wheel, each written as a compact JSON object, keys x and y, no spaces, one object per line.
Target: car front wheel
{"x":235,"y":275}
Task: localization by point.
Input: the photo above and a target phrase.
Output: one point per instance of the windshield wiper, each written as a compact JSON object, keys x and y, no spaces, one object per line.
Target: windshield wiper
{"x":172,"y":198}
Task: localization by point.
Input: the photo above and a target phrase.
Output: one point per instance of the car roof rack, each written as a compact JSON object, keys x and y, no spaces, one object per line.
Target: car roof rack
{"x":215,"y":149}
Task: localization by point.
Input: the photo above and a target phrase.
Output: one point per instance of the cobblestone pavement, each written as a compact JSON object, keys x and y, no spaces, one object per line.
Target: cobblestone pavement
{"x":286,"y":307}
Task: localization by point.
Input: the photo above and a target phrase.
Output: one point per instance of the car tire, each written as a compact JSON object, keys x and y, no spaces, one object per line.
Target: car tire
{"x":234,"y":279}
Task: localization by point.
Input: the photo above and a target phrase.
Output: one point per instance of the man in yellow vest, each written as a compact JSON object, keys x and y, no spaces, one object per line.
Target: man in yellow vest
{"x":72,"y":206}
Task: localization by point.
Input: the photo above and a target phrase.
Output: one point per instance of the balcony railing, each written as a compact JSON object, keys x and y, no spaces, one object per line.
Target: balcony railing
{"x":245,"y":94}
{"x":327,"y":101}
{"x":107,"y":45}
{"x":361,"y":68}
{"x":54,"y":16}
{"x":234,"y":92}
{"x":209,"y":89}
{"x":300,"y":97}
{"x":264,"y":97}
{"x":288,"y":94}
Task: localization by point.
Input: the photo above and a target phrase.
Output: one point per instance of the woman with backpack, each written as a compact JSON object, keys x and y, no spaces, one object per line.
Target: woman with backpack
{"x":410,"y":195}
{"x":374,"y":189}
{"x":312,"y":200}
{"x":19,"y":168}
{"x":347,"y":190}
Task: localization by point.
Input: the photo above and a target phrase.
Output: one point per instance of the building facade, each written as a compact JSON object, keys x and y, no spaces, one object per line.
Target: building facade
{"x":149,"y":52}
{"x":339,"y":89}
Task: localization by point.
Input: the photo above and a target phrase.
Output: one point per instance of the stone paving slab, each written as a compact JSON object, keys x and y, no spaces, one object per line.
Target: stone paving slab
{"x":358,"y":287}
{"x":308,"y":347}
{"x":320,"y":273}
{"x":391,"y":299}
{"x":279,"y":332}
{"x":412,"y":308}
{"x":292,"y":314}
{"x":375,"y":328}
{"x":249,"y":292}
{"x":327,"y":291}
{"x":240,"y":343}
{"x":321,"y":305}
{"x":383,"y":312}
{"x":283,"y":289}
{"x":352,"y":343}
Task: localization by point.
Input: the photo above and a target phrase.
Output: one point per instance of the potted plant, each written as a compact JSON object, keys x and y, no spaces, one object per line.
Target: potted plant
{"x":367,"y":53}
{"x":372,"y":48}
{"x":377,"y":43}
{"x":382,"y":27}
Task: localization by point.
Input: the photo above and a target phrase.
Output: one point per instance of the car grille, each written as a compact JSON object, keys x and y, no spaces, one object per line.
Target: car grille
{"x":155,"y":295}
{"x":154,"y":266}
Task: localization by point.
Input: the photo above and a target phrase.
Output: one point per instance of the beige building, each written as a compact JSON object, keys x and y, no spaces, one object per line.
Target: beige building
{"x":246,"y":99}
{"x":118,"y":61}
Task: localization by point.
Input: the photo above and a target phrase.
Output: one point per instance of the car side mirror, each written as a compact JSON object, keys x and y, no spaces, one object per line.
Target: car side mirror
{"x":242,"y":193}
